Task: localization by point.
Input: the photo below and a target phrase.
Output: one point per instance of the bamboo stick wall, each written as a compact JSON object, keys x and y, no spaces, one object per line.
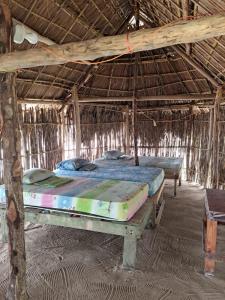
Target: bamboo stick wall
{"x":173,"y":134}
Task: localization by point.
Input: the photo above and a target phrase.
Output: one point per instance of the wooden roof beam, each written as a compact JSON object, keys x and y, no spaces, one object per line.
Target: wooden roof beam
{"x":141,"y":40}
{"x":83,"y":99}
{"x":186,"y":10}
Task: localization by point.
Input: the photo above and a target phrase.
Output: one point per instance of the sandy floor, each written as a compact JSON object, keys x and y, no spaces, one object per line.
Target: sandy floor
{"x":72,"y":264}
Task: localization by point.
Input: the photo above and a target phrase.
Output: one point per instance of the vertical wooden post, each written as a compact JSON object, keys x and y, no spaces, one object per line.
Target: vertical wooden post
{"x":12,"y":167}
{"x":189,"y":148}
{"x":216,"y":137}
{"x":127,"y":131}
{"x":135,"y":91}
{"x":63,"y":133}
{"x":186,"y":11}
{"x":209,"y":152}
{"x":77,"y":121}
{"x":98,"y":133}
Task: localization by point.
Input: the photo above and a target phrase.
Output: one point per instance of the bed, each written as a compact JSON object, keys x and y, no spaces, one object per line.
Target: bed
{"x":171,"y":166}
{"x":154,"y":177}
{"x":54,"y":206}
{"x":112,"y":199}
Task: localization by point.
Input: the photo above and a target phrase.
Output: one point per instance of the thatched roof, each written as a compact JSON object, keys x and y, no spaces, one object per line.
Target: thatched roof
{"x":161,"y":72}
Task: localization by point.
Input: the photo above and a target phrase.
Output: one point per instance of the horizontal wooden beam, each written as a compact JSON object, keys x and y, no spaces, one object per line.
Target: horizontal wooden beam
{"x":82,"y":99}
{"x":141,"y":40}
{"x":194,"y":97}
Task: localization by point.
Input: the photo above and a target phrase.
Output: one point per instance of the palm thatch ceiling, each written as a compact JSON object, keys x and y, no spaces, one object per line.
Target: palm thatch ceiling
{"x":160,"y":72}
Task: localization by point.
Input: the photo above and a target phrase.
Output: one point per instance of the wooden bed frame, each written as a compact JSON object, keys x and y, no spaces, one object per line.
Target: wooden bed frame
{"x":148,"y":215}
{"x":214,"y":215}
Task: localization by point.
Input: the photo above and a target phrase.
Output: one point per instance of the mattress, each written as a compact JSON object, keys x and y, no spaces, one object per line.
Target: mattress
{"x":113,"y":199}
{"x":152,"y":176}
{"x":171,"y":165}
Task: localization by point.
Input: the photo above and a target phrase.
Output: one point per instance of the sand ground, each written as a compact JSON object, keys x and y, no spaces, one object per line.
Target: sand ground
{"x":72,"y":264}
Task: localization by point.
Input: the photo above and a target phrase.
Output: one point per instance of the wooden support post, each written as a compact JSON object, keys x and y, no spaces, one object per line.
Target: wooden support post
{"x":63,"y":131}
{"x":127,"y":130}
{"x":77,"y":121}
{"x":186,"y":10}
{"x":129,"y":252}
{"x":137,"y":8}
{"x":98,"y":133}
{"x":209,"y":152}
{"x":12,"y":167}
{"x":210,"y":246}
{"x":216,"y":137}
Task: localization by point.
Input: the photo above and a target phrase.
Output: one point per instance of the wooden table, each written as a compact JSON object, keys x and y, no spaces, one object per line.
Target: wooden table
{"x":214,"y":215}
{"x":131,"y":230}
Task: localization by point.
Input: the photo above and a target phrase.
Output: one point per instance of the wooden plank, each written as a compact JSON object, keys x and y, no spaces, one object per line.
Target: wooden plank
{"x":141,"y":40}
{"x":12,"y":167}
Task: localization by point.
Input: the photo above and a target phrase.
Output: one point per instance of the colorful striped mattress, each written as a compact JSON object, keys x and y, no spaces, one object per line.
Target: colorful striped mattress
{"x":152,"y":176}
{"x":171,"y":165}
{"x":114,"y":199}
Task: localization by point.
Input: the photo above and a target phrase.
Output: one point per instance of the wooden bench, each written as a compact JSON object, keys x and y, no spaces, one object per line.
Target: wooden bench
{"x":214,"y":215}
{"x":148,"y":215}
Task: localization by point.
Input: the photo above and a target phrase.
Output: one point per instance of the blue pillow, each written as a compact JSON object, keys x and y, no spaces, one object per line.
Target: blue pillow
{"x":112,"y":154}
{"x":72,"y":164}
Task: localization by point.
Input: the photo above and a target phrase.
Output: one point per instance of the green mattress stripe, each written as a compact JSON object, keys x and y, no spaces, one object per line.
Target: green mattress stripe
{"x":99,"y":189}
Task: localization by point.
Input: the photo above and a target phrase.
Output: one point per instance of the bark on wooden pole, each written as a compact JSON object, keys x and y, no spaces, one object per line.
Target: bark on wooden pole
{"x":82,"y":99}
{"x":209,"y":152}
{"x":134,"y":103}
{"x":181,"y":32}
{"x":12,"y":167}
{"x":127,"y":130}
{"x":216,"y":137}
{"x":186,"y":11}
{"x":77,"y":121}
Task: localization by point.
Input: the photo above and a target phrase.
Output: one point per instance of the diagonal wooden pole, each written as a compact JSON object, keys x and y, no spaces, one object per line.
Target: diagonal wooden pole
{"x":12,"y":167}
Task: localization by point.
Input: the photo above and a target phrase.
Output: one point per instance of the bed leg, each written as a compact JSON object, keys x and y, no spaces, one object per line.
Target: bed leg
{"x":210,"y":246}
{"x":153,"y":216}
{"x":4,"y":228}
{"x":179,"y":180}
{"x":129,"y":252}
{"x":175,"y":187}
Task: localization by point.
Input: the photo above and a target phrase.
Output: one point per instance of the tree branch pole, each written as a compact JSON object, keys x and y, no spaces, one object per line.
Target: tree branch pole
{"x":134,"y":103}
{"x":186,"y":11}
{"x":127,"y":130}
{"x":209,"y":152}
{"x":77,"y":120}
{"x":216,"y":137}
{"x":12,"y":167}
{"x":181,"y":32}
